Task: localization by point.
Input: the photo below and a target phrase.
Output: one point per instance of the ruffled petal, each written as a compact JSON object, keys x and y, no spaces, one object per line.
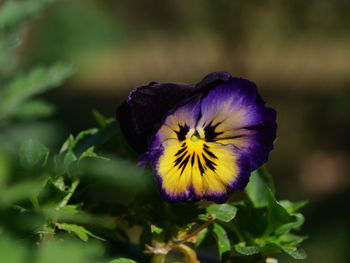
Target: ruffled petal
{"x":145,"y":107}
{"x":234,"y":113}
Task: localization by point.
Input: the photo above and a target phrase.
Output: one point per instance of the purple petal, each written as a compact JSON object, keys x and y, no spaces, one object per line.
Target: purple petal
{"x":145,"y":107}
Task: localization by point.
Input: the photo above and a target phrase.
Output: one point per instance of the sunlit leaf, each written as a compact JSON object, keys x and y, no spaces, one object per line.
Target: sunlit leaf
{"x":80,"y":231}
{"x":223,"y":212}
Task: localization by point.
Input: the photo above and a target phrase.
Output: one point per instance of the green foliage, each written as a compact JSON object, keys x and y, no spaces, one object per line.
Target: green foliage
{"x":91,"y":190}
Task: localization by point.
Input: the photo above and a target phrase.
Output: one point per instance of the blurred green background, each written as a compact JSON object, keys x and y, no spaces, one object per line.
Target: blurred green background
{"x":296,"y":51}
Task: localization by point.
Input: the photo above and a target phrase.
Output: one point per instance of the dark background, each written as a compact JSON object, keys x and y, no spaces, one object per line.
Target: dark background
{"x":296,"y":51}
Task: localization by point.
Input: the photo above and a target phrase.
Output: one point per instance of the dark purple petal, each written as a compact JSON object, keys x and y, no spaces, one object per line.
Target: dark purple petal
{"x":212,"y":80}
{"x":145,"y":107}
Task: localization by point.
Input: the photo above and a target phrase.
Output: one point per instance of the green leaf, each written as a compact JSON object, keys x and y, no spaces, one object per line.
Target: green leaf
{"x":123,"y":260}
{"x":243,"y":249}
{"x":258,"y":188}
{"x":100,"y":119}
{"x":80,"y":231}
{"x":155,"y":229}
{"x":297,"y":253}
{"x":32,"y":153}
{"x":293,"y":207}
{"x":34,"y":109}
{"x":223,"y":212}
{"x":296,"y":224}
{"x":222,"y":239}
{"x":201,"y":236}
{"x":30,"y":84}
{"x":20,"y":191}
{"x":277,"y":215}
{"x":90,"y":153}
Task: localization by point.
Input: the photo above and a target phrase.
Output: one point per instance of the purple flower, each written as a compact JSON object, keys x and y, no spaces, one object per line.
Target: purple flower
{"x":203,"y":141}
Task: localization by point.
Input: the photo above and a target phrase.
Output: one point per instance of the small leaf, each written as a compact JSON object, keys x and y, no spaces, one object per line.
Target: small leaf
{"x":246,"y":250}
{"x":201,"y":236}
{"x":59,"y":183}
{"x":89,"y":153}
{"x":123,"y":260}
{"x":258,"y":188}
{"x":33,"y":153}
{"x":100,"y":119}
{"x":222,"y":239}
{"x":277,"y":215}
{"x":293,"y":207}
{"x":80,"y":231}
{"x":155,"y":229}
{"x":223,"y":212}
{"x":298,"y":222}
{"x":297,"y":253}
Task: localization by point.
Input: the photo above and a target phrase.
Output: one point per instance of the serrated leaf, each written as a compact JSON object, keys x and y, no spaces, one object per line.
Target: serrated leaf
{"x":32,"y":153}
{"x":246,"y":250}
{"x":223,"y":212}
{"x":222,"y":239}
{"x":123,"y":260}
{"x":257,"y":190}
{"x":80,"y":231}
{"x":30,"y":84}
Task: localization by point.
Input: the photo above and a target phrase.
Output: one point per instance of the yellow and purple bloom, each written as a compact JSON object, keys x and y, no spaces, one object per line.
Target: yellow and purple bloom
{"x":203,"y":141}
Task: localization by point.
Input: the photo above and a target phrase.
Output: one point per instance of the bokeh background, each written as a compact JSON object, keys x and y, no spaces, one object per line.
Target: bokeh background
{"x":298,"y":53}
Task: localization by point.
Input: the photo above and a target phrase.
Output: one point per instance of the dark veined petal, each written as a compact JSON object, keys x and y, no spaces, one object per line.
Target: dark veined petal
{"x":207,"y":148}
{"x":189,"y":167}
{"x":234,"y":113}
{"x":145,"y":107}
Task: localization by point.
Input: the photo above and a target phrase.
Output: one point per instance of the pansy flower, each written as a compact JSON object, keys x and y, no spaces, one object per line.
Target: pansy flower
{"x":203,"y":141}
